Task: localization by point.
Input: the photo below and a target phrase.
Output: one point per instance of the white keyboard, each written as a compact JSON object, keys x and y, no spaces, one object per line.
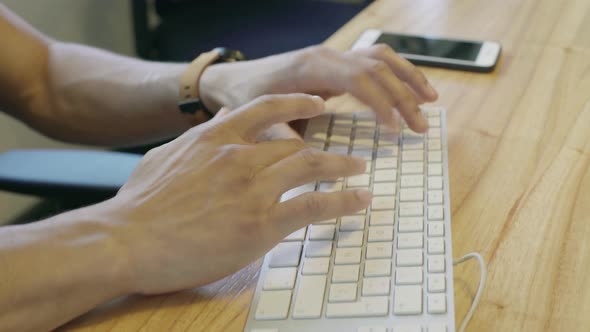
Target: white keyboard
{"x":386,"y":269}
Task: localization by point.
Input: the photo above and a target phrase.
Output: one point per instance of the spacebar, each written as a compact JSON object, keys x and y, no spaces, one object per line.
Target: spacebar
{"x":367,"y":307}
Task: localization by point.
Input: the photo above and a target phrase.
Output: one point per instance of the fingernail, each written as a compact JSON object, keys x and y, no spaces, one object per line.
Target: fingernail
{"x":361,"y":161}
{"x":432,"y":91}
{"x":421,"y":122}
{"x":364,"y":196}
{"x":318,"y":101}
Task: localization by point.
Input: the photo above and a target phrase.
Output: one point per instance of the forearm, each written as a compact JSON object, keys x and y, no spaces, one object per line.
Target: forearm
{"x":97,"y":97}
{"x":57,"y":269}
{"x":82,"y":94}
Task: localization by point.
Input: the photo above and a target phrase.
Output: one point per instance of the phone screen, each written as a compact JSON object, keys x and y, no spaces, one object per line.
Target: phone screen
{"x":442,"y":48}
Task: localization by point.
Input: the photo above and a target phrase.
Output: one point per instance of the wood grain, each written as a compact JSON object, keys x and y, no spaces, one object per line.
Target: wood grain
{"x":519,"y":152}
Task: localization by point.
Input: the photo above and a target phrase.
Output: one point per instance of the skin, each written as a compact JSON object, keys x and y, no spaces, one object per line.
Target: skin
{"x":188,"y":213}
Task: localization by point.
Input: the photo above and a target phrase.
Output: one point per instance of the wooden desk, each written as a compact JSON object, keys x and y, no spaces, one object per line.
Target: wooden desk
{"x":519,"y":145}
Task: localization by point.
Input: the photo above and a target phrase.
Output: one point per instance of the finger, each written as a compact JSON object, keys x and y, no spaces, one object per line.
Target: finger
{"x":308,"y":165}
{"x":316,"y":206}
{"x":397,"y":94}
{"x":251,"y":119}
{"x":279,"y":131}
{"x":268,"y":153}
{"x":222,"y":112}
{"x":403,"y":69}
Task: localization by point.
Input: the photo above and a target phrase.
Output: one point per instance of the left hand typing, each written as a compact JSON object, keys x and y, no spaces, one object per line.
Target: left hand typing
{"x":377,"y":76}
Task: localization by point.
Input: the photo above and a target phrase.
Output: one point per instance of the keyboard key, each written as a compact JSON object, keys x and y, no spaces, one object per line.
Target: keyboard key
{"x":434,"y":144}
{"x":410,"y":240}
{"x":285,"y":254}
{"x":434,"y":156}
{"x":352,"y":223}
{"x":347,"y":256}
{"x":412,"y":257}
{"x":328,"y":222}
{"x":407,"y":328}
{"x":408,"y":276}
{"x":318,"y":249}
{"x":433,"y":113}
{"x":434,"y":133}
{"x":437,"y":303}
{"x":410,"y":224}
{"x":372,"y":329}
{"x":363,"y":153}
{"x":436,"y":263}
{"x":376,"y":286}
{"x":345,"y":273}
{"x":361,"y":180}
{"x":407,"y":300}
{"x":383,"y":203}
{"x":411,"y":209}
{"x":383,"y":163}
{"x":412,"y":167}
{"x":371,"y":306}
{"x":412,"y":155}
{"x":436,"y":245}
{"x":436,"y":228}
{"x":341,"y":139}
{"x":280,"y":278}
{"x":435,"y":197}
{"x":411,"y":194}
{"x":338,"y":149}
{"x":437,"y":283}
{"x":317,"y":265}
{"x":380,"y":233}
{"x":378,"y":268}
{"x":384,"y":189}
{"x":434,"y":122}
{"x":309,"y":297}
{"x":273,"y":305}
{"x":412,"y":181}
{"x":342,"y":293}
{"x":435,"y":212}
{"x":350,"y":239}
{"x":386,"y":175}
{"x":382,"y":217}
{"x":435,"y":182}
{"x":388,"y":151}
{"x":410,"y":134}
{"x":322,"y":232}
{"x":363,"y":143}
{"x":435,"y":169}
{"x":298,"y":235}
{"x":413,"y":145}
{"x":437,"y":328}
{"x":329,"y":187}
{"x":380,"y":250}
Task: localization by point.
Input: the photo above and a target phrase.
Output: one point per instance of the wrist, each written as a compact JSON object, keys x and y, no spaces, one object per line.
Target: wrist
{"x":91,"y":234}
{"x":214,"y":86}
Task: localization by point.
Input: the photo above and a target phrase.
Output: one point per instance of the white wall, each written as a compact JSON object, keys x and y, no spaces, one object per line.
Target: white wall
{"x":102,"y":23}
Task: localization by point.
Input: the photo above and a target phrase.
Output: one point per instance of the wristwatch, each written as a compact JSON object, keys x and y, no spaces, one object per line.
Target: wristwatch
{"x":189,"y":97}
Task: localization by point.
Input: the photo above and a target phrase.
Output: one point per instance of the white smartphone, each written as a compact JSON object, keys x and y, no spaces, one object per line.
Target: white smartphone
{"x":472,"y":55}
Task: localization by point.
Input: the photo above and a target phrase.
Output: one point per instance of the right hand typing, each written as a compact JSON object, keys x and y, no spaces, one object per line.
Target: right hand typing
{"x":208,"y":203}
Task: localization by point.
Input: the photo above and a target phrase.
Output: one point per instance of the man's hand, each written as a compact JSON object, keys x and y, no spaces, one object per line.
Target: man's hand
{"x":377,"y":76}
{"x":207,"y":204}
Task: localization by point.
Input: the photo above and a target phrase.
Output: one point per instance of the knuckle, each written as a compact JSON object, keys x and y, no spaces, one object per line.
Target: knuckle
{"x":381,"y":49}
{"x":295,"y":144}
{"x":414,"y":71}
{"x":230,"y":153}
{"x":310,"y":158}
{"x":314,"y":204}
{"x":266,"y":101}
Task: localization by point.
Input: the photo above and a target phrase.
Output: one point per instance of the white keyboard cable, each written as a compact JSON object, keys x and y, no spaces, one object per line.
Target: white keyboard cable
{"x":480,"y":287}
